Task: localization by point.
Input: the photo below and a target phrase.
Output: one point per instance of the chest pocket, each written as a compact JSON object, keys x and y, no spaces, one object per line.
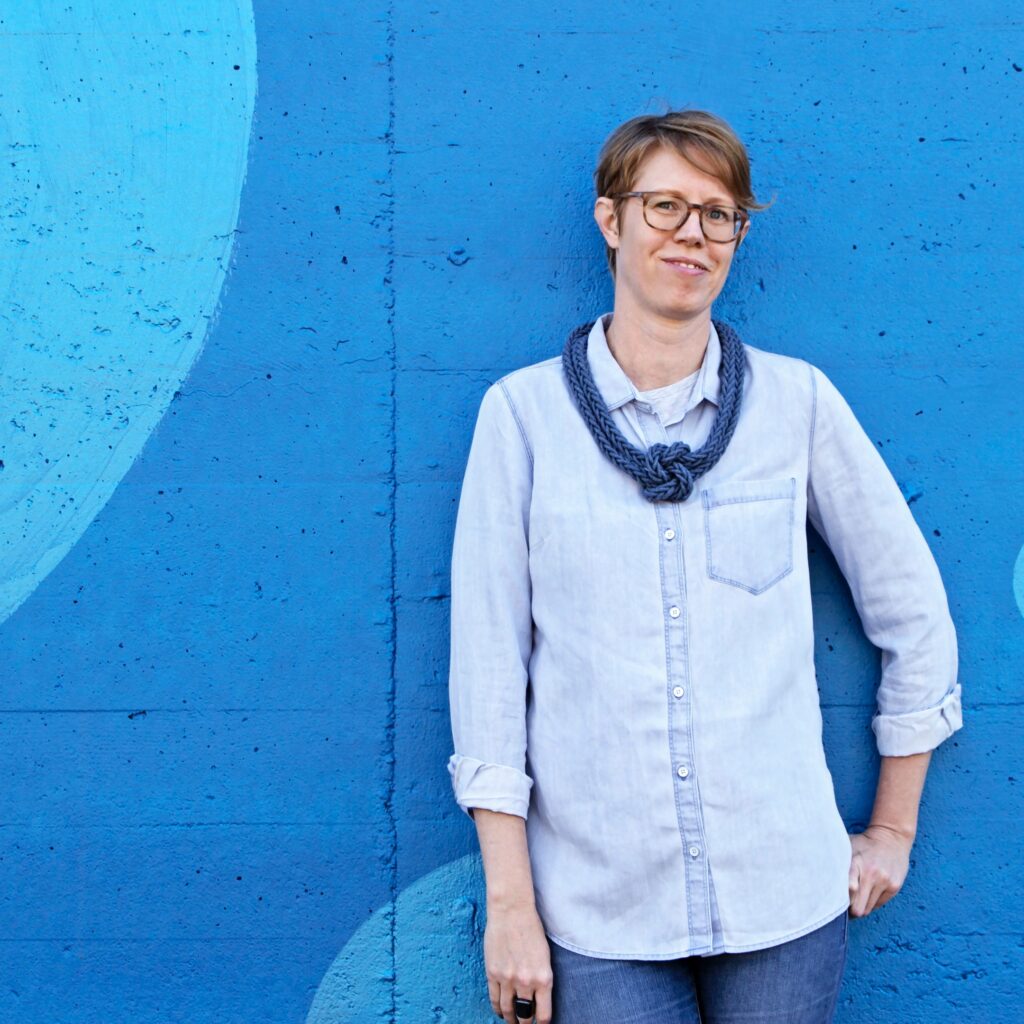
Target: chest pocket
{"x":748,"y":528}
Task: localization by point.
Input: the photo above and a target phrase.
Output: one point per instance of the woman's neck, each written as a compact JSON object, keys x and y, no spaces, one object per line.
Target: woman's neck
{"x":653,"y":353}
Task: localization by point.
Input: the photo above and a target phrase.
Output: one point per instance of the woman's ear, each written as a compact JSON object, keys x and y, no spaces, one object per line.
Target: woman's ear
{"x":604,"y":214}
{"x":743,"y":233}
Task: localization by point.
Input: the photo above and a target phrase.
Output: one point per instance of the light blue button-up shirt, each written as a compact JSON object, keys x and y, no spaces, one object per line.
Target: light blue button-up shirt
{"x":637,"y":679}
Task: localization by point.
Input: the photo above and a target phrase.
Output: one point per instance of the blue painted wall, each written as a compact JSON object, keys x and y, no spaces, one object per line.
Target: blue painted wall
{"x":257,"y":266}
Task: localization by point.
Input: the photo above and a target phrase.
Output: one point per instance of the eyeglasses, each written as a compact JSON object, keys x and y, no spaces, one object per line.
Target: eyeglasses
{"x":667,"y":211}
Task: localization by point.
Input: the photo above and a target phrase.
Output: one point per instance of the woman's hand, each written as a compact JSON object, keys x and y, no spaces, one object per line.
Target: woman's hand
{"x":518,"y":960}
{"x":878,"y":866}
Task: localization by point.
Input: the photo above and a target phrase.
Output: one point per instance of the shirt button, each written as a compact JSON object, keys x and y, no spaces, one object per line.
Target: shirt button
{"x":694,"y":851}
{"x":674,"y":612}
{"x":669,"y":533}
{"x":677,"y":691}
{"x":682,"y":771}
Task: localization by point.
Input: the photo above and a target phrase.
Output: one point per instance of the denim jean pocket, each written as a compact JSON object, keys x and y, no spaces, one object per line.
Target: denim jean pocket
{"x":748,"y":528}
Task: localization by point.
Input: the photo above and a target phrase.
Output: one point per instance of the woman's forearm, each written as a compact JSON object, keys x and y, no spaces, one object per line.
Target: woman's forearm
{"x":506,"y":858}
{"x":900,"y":783}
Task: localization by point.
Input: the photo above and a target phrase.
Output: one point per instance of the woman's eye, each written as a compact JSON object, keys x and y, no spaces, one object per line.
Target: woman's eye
{"x":717,"y":213}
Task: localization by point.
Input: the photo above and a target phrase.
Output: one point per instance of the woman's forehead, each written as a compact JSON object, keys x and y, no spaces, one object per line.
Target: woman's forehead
{"x":665,"y":168}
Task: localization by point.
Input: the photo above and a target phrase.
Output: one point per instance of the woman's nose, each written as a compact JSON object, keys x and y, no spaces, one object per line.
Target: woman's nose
{"x":691,"y":227}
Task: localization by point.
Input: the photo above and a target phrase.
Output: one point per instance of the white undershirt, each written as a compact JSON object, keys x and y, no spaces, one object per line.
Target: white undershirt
{"x":670,"y":401}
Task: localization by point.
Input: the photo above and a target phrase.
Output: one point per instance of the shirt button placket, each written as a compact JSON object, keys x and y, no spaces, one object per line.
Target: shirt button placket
{"x":688,"y":816}
{"x":698,"y":904}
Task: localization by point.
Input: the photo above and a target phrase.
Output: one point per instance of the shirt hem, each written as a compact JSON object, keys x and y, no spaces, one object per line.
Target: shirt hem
{"x":704,"y":950}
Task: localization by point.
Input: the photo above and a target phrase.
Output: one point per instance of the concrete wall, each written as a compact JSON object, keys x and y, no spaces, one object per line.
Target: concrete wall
{"x":257,"y":266}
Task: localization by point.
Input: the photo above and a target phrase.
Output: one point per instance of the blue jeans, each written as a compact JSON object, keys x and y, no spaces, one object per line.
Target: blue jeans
{"x":795,"y":982}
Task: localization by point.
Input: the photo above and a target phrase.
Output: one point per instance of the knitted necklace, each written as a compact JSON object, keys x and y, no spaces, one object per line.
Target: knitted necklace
{"x":665,"y":472}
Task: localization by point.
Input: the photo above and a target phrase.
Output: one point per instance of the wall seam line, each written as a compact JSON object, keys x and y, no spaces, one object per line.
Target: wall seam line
{"x":389,"y":288}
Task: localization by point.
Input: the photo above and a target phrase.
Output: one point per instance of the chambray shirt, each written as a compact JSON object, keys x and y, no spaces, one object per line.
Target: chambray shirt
{"x":637,"y":679}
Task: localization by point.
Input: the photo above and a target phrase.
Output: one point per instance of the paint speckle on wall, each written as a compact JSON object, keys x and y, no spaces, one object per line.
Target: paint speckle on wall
{"x":120,"y":190}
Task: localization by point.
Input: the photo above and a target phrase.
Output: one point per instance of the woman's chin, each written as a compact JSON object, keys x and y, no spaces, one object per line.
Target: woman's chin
{"x":677,"y":310}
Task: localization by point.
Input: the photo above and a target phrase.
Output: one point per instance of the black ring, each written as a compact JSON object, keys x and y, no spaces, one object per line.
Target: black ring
{"x":525,"y":1009}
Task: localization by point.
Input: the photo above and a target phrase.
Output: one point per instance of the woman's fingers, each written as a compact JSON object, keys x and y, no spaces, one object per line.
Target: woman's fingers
{"x":856,"y":896}
{"x":541,"y":995}
{"x":544,"y":1004}
{"x":871,"y":887}
{"x":506,"y":1005}
{"x":877,"y":867}
{"x":508,"y":993}
{"x":502,"y":995}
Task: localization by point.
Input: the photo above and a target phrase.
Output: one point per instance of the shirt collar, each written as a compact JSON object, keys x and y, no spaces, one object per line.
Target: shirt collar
{"x":617,"y":389}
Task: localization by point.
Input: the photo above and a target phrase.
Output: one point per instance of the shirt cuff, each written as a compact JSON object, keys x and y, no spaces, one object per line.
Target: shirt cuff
{"x":495,"y":787}
{"x":914,"y":732}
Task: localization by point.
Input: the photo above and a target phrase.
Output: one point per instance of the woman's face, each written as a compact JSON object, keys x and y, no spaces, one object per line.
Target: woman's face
{"x":648,"y":271}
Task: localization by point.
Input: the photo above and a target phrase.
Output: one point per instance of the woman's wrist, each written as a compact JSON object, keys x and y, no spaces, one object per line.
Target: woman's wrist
{"x":506,"y":859}
{"x":503,"y":899}
{"x":900,"y":783}
{"x":905,"y":832}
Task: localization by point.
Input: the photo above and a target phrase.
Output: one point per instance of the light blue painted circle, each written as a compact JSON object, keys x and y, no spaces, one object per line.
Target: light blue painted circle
{"x":128,"y":129}
{"x":438,"y":976}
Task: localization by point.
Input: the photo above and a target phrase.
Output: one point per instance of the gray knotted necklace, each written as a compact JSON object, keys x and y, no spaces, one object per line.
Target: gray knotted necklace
{"x":665,"y":472}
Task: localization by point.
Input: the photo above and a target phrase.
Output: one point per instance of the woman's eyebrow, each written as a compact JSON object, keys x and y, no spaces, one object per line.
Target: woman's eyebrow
{"x":713,"y":201}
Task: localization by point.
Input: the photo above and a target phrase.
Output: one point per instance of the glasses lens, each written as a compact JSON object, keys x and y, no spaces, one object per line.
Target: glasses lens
{"x":664,"y":211}
{"x":720,"y":223}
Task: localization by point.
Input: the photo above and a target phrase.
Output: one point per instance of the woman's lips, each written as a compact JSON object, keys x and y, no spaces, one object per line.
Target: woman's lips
{"x":681,"y":268}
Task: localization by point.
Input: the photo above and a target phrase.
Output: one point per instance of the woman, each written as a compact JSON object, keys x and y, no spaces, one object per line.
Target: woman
{"x":634,"y":702}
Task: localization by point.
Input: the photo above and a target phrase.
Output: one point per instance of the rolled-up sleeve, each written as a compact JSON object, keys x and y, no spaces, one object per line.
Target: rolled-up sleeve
{"x":858,"y":508}
{"x":491,"y":620}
